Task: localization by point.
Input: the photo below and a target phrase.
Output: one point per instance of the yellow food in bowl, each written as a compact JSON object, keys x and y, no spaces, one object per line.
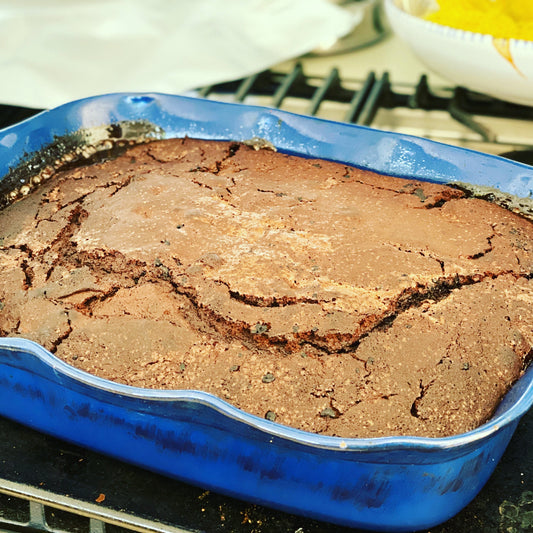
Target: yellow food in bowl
{"x":503,"y":19}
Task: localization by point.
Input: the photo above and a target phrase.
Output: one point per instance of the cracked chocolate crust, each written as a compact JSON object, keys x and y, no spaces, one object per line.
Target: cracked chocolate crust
{"x":375,"y":305}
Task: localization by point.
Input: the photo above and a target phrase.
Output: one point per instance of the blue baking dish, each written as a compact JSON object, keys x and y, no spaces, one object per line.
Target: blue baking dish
{"x":385,"y":484}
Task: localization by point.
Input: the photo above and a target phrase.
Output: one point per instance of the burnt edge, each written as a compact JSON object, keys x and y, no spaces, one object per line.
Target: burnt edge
{"x":83,"y":147}
{"x":522,"y":206}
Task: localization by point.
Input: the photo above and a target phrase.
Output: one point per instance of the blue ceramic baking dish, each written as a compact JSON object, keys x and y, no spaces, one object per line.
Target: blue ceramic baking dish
{"x":386,"y":484}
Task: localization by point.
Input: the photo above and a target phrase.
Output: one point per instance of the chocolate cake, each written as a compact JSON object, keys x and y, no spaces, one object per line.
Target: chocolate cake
{"x":317,"y":295}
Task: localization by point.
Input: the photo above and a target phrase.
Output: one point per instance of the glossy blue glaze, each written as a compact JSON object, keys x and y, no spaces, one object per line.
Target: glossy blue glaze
{"x":387,"y":484}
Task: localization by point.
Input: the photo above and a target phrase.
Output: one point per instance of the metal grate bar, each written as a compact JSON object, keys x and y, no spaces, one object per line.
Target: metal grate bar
{"x":480,"y":104}
{"x":205,"y":91}
{"x":423,"y":98}
{"x":371,"y":105}
{"x":320,"y":94}
{"x":96,"y":526}
{"x":457,"y":111}
{"x":359,"y":98}
{"x":245,"y":87}
{"x":286,"y":85}
{"x":37,"y":516}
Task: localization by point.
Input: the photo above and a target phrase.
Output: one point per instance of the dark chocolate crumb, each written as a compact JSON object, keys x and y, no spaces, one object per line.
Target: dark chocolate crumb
{"x":259,"y":328}
{"x":268,"y":378}
{"x":270,"y":415}
{"x":328,"y":412}
{"x":420,"y":193}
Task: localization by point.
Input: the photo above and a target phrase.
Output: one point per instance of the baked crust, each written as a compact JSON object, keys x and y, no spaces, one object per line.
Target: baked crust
{"x":322,"y":296}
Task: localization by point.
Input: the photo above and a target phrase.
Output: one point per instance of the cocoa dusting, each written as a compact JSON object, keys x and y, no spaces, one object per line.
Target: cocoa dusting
{"x":306,"y":292}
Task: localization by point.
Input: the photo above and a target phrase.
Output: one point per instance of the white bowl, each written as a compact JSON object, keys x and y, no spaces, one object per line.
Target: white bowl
{"x":502,"y":68}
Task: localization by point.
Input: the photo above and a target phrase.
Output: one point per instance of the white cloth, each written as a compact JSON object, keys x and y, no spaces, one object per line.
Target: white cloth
{"x":55,"y":51}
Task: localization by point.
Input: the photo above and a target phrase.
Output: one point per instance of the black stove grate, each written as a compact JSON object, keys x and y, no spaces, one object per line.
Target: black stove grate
{"x":375,"y":92}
